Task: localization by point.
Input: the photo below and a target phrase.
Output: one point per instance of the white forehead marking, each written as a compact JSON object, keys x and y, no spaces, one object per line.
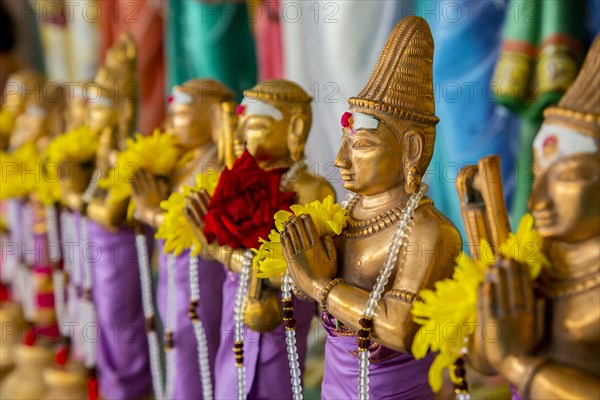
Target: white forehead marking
{"x":555,"y":142}
{"x":258,"y":107}
{"x":180,"y":97}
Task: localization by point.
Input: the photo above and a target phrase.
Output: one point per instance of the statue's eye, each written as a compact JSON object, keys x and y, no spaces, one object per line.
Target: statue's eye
{"x":576,"y":174}
{"x":362,"y":144}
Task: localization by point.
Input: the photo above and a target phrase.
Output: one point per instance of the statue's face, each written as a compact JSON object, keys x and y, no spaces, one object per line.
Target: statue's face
{"x":566,"y":193}
{"x":370,"y":161}
{"x":101,"y":115}
{"x":264,"y":137}
{"x":189,"y":127}
{"x":14,"y":100}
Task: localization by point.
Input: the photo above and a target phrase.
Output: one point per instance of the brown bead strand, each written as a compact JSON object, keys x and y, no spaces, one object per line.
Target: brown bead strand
{"x":364,"y":333}
{"x":460,"y":372}
{"x":192,"y":311}
{"x":288,"y":314}
{"x":238,"y":349}
{"x":169,"y":341}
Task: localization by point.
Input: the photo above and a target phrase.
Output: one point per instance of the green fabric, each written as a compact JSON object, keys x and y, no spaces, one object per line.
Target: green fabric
{"x":524,"y":171}
{"x":210,"y":40}
{"x":532,"y":75}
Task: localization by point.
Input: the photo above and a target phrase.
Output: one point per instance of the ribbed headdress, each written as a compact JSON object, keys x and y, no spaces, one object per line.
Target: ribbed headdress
{"x":579,"y":108}
{"x":401,"y":85}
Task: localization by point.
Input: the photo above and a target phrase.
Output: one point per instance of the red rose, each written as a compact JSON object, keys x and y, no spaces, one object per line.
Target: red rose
{"x":245,"y":200}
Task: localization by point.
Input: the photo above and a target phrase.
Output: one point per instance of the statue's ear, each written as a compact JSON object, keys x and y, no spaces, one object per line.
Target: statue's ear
{"x":296,"y":136}
{"x":412,"y":152}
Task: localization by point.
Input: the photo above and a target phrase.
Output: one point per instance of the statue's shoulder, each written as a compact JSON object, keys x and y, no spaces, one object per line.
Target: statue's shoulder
{"x":432,"y":226}
{"x":310,"y":186}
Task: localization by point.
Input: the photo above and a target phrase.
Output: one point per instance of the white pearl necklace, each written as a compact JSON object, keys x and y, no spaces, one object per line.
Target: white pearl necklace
{"x":203,"y":361}
{"x":401,"y":235}
{"x":240,"y":303}
{"x":170,"y":325}
{"x":241,"y":298}
{"x":88,"y":309}
{"x":149,"y":315}
{"x":26,"y":281}
{"x":58,"y":276}
{"x":10,"y":269}
{"x":71,"y":266}
{"x":290,"y":341}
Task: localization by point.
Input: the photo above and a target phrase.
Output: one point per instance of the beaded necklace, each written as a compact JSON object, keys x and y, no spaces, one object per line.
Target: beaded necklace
{"x":202,"y":345}
{"x":149,"y":314}
{"x":366,"y":321}
{"x":240,"y":303}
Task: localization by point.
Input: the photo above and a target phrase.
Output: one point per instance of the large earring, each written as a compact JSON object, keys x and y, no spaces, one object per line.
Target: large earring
{"x":413,"y":179}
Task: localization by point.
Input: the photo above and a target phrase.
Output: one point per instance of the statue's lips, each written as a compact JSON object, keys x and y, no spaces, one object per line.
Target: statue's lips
{"x":347,"y":177}
{"x":544,"y":218}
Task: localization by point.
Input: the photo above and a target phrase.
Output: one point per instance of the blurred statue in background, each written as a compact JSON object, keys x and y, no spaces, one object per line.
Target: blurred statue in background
{"x":109,"y":276}
{"x":194,"y":124}
{"x":559,"y":313}
{"x":274,"y":122}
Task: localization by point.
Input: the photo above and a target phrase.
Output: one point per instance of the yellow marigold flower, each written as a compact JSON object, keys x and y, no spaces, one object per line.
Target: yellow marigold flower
{"x":449,"y":312}
{"x":7,"y":124}
{"x":156,"y":153}
{"x":208,"y":181}
{"x":175,"y":229}
{"x":78,"y":145}
{"x":48,"y":191}
{"x":21,"y":171}
{"x":329,"y":219}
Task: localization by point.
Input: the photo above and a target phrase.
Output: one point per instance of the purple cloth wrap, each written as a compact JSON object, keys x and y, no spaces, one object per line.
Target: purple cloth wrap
{"x":187,"y":385}
{"x":265,"y":354}
{"x":514,"y":393}
{"x":122,"y":348}
{"x":392,"y":375}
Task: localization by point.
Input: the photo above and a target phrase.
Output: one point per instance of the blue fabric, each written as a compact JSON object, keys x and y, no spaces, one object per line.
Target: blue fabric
{"x":467,"y":42}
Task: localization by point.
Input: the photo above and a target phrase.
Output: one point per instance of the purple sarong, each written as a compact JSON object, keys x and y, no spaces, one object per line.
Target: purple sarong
{"x":122,"y":347}
{"x":392,"y":375}
{"x":265,"y":354}
{"x":187,"y":385}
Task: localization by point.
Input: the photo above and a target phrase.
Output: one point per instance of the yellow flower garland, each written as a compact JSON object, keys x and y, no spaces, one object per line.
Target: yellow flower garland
{"x":156,"y":153}
{"x":329,"y":218}
{"x":21,"y":171}
{"x":175,"y":229}
{"x":78,"y":145}
{"x":450,"y":310}
{"x":7,"y":119}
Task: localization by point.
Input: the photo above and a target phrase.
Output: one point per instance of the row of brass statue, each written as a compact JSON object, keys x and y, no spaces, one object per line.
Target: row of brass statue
{"x":363,"y":281}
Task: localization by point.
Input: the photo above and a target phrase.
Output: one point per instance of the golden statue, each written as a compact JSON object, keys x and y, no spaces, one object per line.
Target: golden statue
{"x":112,"y":114}
{"x":21,"y":88}
{"x":558,"y":316}
{"x":194,"y":122}
{"x":387,"y":143}
{"x":274,"y":122}
{"x":42,"y":119}
{"x":193,"y":125}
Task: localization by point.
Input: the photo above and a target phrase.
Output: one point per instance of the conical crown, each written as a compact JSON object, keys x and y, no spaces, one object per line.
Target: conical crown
{"x":579,"y":108}
{"x":279,"y":91}
{"x":401,"y":85}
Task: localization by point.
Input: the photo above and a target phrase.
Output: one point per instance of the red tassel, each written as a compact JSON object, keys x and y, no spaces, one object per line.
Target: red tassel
{"x":62,"y":355}
{"x":240,"y":109}
{"x":92,"y":385}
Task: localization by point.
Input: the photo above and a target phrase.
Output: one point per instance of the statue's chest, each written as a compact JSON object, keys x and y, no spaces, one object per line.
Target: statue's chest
{"x":360,"y":259}
{"x":575,"y":330}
